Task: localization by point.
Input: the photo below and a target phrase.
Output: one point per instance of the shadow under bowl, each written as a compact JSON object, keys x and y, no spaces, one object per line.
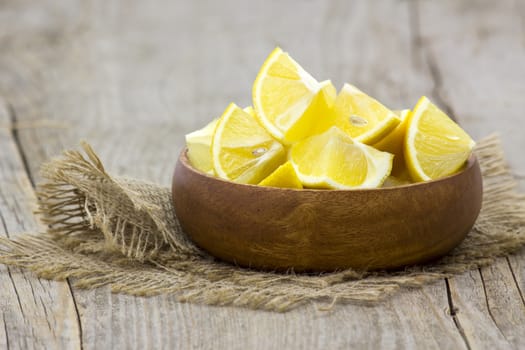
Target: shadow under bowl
{"x":325,"y":230}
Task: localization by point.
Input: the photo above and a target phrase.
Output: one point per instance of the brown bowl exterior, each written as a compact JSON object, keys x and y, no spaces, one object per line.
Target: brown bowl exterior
{"x":326,"y":230}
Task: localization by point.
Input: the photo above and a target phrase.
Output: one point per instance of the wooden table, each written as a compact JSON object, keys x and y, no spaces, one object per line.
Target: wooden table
{"x":132,"y":77}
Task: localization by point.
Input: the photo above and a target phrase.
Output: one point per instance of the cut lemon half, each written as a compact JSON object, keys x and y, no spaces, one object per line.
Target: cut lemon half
{"x":242,"y":150}
{"x":282,"y":95}
{"x":361,"y":116}
{"x":199,"y":147}
{"x":334,"y":160}
{"x":393,"y":143}
{"x":284,"y":177}
{"x":435,"y":146}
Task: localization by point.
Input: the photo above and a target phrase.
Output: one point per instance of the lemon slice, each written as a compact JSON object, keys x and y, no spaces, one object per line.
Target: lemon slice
{"x":242,"y":150}
{"x":435,"y":146}
{"x":334,"y":160}
{"x":284,"y":177}
{"x":393,"y":143}
{"x":199,"y":147}
{"x":362,"y":117}
{"x":282,"y":95}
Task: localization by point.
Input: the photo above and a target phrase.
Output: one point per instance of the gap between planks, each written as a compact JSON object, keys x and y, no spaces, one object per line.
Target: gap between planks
{"x":12,"y":117}
{"x":420,"y":48}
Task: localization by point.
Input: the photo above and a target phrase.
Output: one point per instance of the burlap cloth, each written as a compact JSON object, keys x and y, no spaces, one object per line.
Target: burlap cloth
{"x":121,"y":232}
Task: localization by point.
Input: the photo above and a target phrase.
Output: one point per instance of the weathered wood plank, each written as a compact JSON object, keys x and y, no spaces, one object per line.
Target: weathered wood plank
{"x":35,"y":313}
{"x":474,"y":313}
{"x":505,"y":302}
{"x":101,"y":69}
{"x":133,"y":77}
{"x":162,"y":322}
{"x":517,"y":264}
{"x":482,"y":87}
{"x":478,"y":55}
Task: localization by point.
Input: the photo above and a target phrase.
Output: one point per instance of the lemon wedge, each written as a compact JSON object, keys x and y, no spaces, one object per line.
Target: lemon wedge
{"x":435,"y":146}
{"x":199,"y":147}
{"x":334,"y":160}
{"x":242,"y":150}
{"x":361,"y":116}
{"x":316,"y":118}
{"x":284,"y":177}
{"x":393,"y":143}
{"x":288,"y":100}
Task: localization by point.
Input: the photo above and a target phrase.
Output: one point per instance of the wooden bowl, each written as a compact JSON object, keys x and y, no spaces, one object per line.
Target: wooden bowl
{"x":325,"y":230}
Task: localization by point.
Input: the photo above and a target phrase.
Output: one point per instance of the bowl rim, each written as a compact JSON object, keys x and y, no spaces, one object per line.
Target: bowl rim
{"x":184,"y":160}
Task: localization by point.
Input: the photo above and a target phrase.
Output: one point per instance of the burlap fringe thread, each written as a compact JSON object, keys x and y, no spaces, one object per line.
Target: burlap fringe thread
{"x":121,"y":232}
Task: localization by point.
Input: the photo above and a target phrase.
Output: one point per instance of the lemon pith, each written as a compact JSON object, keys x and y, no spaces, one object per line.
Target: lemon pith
{"x":199,"y":147}
{"x":393,"y":143}
{"x":361,"y":116}
{"x":282,"y":94}
{"x":334,"y":160}
{"x":242,"y":150}
{"x":435,"y":146}
{"x":284,"y":176}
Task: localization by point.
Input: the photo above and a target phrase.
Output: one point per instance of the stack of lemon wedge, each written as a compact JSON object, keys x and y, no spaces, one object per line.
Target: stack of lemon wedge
{"x":301,"y":133}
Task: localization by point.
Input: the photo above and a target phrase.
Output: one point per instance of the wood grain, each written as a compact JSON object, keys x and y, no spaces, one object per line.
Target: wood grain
{"x":474,"y":79}
{"x":467,"y":64}
{"x":326,"y":230}
{"x":35,"y":313}
{"x":133,"y":77}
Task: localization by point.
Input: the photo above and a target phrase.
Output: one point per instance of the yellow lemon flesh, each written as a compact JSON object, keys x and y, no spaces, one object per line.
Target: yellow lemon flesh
{"x":361,"y":116}
{"x":393,"y":143}
{"x":242,"y":150}
{"x":199,"y":147}
{"x":435,"y":146}
{"x":284,"y":177}
{"x":316,"y":118}
{"x":338,"y":141}
{"x":336,"y":161}
{"x":393,"y":181}
{"x":287,"y":100}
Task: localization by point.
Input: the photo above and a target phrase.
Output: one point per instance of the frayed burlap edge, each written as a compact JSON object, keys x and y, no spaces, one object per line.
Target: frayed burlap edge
{"x":134,"y":217}
{"x":120,"y":232}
